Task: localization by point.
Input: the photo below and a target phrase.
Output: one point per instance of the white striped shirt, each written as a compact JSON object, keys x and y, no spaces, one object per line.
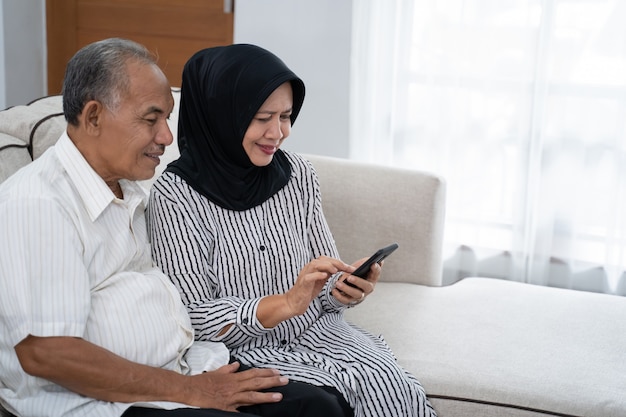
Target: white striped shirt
{"x":223,"y":262}
{"x":75,"y":261}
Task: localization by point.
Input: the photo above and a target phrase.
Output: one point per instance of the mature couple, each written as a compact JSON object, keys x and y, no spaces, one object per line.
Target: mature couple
{"x":226,"y":299}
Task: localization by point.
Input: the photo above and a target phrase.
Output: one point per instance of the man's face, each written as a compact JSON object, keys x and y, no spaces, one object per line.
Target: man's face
{"x":134,"y":135}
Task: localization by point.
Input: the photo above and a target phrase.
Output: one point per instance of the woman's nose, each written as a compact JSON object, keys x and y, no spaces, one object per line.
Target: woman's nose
{"x":275,"y":130}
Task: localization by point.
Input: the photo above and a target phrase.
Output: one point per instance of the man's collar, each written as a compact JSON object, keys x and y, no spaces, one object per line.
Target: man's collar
{"x":93,"y":190}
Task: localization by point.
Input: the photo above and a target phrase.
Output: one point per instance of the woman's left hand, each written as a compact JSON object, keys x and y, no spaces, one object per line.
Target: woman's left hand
{"x":360,"y":288}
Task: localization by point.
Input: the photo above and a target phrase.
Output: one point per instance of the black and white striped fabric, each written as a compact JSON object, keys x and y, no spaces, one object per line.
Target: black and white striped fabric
{"x":223,"y":262}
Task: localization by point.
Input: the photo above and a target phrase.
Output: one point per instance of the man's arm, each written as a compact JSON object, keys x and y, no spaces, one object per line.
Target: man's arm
{"x":90,"y":370}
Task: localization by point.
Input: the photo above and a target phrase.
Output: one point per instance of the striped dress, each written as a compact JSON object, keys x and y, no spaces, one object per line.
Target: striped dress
{"x":223,"y":262}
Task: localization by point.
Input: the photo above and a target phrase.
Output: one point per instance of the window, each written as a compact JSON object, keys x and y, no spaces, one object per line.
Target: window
{"x":521,"y":107}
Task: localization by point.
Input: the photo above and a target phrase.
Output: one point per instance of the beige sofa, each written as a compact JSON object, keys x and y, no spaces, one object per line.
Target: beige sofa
{"x":481,"y":347}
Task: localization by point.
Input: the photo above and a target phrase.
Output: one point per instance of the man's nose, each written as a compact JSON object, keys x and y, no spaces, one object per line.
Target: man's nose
{"x":164,"y":135}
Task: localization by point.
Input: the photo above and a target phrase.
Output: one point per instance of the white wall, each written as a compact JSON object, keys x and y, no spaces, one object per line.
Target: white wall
{"x":313,"y":38}
{"x":23,"y":43}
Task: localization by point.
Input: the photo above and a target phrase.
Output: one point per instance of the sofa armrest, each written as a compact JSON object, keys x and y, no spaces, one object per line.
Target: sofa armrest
{"x":368,"y":206}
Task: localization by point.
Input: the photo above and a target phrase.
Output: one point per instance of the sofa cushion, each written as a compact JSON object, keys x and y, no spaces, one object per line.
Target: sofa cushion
{"x":31,"y":128}
{"x":13,"y":155}
{"x":506,"y":348}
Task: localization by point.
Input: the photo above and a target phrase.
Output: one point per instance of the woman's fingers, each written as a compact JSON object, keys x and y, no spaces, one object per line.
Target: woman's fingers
{"x":351,"y":289}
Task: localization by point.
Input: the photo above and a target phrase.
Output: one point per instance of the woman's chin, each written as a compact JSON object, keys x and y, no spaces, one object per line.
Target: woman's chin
{"x":262,"y":160}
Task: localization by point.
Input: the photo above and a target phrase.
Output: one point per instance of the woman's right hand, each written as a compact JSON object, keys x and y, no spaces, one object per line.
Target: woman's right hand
{"x":311,"y":280}
{"x":277,"y":308}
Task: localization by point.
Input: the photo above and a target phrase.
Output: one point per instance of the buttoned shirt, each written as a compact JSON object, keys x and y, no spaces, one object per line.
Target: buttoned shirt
{"x":75,"y":261}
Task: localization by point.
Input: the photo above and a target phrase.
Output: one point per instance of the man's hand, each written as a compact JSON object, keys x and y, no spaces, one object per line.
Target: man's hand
{"x":92,"y":371}
{"x":226,"y":389}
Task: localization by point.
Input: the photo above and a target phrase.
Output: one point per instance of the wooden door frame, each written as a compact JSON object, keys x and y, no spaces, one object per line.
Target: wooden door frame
{"x":60,"y":42}
{"x":70,"y":24}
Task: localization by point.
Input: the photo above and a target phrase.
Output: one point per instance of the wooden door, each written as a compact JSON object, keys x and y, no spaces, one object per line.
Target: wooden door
{"x":173,"y":29}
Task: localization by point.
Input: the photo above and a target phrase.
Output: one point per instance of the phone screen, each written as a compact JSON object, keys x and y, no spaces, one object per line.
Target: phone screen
{"x":377,"y":257}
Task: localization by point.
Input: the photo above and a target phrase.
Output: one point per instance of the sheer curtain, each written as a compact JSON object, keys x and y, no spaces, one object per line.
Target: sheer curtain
{"x":521,"y":106}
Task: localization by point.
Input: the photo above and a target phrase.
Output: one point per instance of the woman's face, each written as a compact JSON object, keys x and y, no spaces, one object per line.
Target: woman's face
{"x":270,"y":126}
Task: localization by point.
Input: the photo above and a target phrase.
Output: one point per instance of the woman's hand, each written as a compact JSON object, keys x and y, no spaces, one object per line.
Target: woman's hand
{"x":277,"y":308}
{"x":360,"y":288}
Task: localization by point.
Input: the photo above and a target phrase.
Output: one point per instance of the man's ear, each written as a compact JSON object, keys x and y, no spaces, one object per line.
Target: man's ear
{"x":91,"y":117}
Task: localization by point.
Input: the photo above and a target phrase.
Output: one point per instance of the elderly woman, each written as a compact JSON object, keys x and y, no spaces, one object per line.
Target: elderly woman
{"x":237,"y":224}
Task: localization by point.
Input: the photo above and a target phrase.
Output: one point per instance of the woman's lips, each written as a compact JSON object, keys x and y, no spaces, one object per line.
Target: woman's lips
{"x":268,"y":149}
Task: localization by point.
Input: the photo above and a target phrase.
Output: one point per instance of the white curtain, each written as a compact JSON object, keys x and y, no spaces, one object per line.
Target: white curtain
{"x":521,"y":106}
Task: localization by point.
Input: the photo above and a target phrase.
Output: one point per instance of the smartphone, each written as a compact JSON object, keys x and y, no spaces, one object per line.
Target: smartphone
{"x":377,"y":257}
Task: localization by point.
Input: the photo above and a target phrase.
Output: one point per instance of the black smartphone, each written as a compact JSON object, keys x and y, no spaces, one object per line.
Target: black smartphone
{"x":377,"y":257}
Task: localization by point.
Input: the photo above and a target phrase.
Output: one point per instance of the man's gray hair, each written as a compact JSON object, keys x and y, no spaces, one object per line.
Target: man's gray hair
{"x":98,"y":72}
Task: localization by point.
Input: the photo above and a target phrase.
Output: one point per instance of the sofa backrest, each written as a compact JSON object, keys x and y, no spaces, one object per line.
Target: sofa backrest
{"x":369,"y":206}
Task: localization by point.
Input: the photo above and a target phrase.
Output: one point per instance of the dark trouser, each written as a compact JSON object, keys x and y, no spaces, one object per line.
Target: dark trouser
{"x":299,"y":400}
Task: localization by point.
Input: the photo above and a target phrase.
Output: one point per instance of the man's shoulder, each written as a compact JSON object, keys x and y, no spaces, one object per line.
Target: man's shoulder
{"x":34,"y":180}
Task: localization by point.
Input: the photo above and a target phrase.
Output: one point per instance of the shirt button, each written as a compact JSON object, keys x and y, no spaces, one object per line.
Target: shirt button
{"x":283,"y":342}
{"x":262,"y":248}
{"x":244,"y":320}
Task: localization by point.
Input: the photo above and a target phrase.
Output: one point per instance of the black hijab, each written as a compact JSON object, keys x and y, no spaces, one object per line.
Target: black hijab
{"x":222,"y":90}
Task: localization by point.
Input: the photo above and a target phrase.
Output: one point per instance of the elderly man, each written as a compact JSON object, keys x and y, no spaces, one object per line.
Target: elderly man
{"x":89,"y":326}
